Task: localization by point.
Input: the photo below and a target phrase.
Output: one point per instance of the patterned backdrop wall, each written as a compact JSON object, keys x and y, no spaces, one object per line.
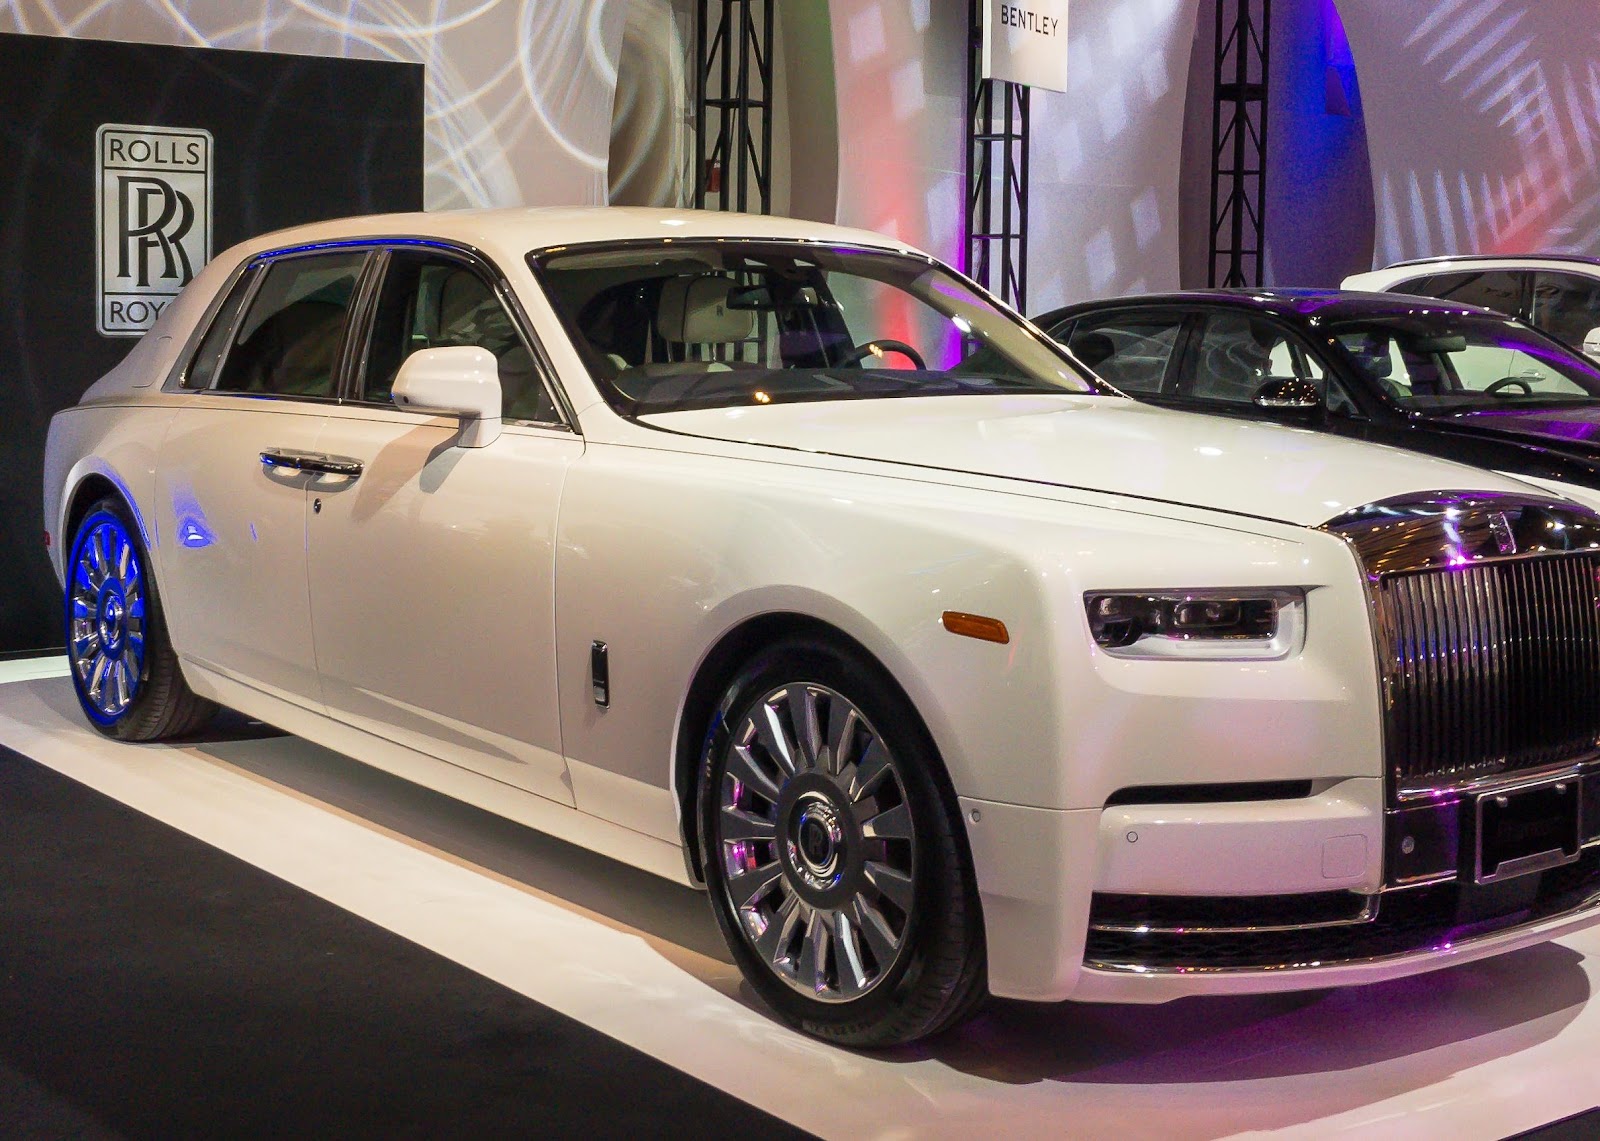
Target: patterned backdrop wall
{"x":519,"y":95}
{"x":1483,"y":123}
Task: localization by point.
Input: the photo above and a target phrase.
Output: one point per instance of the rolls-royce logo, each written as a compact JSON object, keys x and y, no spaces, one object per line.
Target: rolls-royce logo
{"x":152,"y":220}
{"x":1505,"y":540}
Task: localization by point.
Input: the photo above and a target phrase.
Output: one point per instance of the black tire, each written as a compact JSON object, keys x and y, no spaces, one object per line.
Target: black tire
{"x":934,"y":974}
{"x":114,"y":603}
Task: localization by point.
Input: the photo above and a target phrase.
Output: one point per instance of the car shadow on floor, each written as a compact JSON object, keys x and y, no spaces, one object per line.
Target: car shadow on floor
{"x":1325,"y":1051}
{"x":1423,"y":1028}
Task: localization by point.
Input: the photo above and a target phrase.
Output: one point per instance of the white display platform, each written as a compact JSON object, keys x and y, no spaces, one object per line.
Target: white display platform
{"x":1480,"y":1051}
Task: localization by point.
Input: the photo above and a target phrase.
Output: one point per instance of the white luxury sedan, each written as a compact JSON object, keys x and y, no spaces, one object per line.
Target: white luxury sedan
{"x":778,"y":558}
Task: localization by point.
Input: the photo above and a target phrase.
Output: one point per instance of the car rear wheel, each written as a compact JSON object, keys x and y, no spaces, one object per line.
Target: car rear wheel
{"x":123,"y":666}
{"x":832,"y":852}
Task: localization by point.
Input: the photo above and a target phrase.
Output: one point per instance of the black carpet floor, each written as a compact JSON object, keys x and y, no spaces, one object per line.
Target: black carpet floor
{"x":154,"y":987}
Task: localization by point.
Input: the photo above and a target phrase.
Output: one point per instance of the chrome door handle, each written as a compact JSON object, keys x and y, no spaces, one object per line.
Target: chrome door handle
{"x":319,"y":462}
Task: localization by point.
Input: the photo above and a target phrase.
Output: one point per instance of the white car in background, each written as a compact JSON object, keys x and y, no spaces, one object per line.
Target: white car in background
{"x":776,"y":557}
{"x":1555,"y":293}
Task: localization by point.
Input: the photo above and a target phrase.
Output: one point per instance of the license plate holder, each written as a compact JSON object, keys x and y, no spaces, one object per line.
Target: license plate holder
{"x":1528,"y":828}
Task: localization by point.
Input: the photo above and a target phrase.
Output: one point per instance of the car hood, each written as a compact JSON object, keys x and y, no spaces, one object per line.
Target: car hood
{"x":1101,"y":443}
{"x":1570,"y":429}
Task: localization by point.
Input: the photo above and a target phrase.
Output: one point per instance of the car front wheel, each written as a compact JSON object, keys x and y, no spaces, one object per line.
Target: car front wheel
{"x":832,"y":853}
{"x":123,"y":666}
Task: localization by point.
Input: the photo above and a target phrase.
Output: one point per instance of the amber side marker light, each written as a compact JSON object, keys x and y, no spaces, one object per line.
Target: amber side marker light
{"x":976,"y":626}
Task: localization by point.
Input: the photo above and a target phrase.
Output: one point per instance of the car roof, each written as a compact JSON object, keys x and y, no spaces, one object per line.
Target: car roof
{"x":515,"y":231}
{"x":1324,"y":304}
{"x":1509,"y":259}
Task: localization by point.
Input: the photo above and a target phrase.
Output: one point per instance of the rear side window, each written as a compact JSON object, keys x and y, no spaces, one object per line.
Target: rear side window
{"x":1129,"y":350}
{"x":1565,"y":305}
{"x":203,"y":369}
{"x":288,"y":343}
{"x":1499,"y":289}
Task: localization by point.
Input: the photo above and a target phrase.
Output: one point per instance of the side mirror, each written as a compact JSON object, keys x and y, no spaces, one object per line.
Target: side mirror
{"x":1288,"y":394}
{"x":462,"y":380}
{"x":1591,"y":344}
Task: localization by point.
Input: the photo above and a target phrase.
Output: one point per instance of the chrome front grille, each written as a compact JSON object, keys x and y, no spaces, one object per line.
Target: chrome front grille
{"x":1492,"y":668}
{"x":1486,"y":614}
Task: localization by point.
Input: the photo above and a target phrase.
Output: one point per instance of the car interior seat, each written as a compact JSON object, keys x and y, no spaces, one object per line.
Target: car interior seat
{"x":695,"y":320}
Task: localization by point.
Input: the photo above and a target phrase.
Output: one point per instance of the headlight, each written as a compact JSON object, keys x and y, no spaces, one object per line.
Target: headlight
{"x":1252,"y":624}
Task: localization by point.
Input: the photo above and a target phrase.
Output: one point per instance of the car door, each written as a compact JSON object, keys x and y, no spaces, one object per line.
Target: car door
{"x":230,"y":477}
{"x":431,"y":568}
{"x":1232,"y":353}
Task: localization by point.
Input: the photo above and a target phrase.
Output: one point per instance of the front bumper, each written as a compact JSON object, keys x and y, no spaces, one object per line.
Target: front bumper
{"x":1150,"y":903}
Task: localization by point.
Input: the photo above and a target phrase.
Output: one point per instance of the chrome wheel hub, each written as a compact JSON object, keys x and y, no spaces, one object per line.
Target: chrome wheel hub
{"x":106,"y":618}
{"x":815,"y":839}
{"x":816,"y":842}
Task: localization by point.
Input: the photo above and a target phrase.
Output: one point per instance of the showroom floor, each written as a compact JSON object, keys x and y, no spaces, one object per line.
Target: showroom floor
{"x":250,"y":935}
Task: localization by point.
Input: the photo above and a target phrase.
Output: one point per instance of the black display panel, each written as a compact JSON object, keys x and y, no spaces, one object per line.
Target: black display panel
{"x":112,"y":151}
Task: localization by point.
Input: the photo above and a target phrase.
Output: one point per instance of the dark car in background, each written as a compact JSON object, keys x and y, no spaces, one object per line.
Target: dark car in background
{"x":1448,"y":379}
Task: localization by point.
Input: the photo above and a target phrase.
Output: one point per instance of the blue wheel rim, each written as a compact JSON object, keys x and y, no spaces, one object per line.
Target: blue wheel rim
{"x":106,"y":609}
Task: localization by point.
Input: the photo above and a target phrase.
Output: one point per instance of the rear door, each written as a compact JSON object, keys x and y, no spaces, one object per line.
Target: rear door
{"x":231,"y":492}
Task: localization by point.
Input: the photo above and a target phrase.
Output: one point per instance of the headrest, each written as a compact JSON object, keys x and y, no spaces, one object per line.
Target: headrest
{"x":694,"y":311}
{"x":459,"y":294}
{"x":1093,"y":349}
{"x":1373,"y":356}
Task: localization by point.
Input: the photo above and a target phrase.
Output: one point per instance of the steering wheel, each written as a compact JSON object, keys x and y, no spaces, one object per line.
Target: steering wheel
{"x":883,"y":345}
{"x":1506,"y":382}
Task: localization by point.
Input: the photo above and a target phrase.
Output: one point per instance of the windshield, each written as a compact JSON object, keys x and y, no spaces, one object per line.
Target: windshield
{"x":665,"y":326}
{"x":1459,"y":362}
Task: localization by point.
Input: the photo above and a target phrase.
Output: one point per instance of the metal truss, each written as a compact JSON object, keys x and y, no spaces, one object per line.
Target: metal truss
{"x":733,"y":106}
{"x":1239,"y":143}
{"x":996,"y":176}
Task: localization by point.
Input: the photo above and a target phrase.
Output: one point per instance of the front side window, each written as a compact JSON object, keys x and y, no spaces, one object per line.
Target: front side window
{"x":713,"y":324}
{"x":1565,"y":305}
{"x":1465,"y":363}
{"x":1129,"y":350}
{"x":288,"y":342}
{"x":430,"y":300}
{"x":1498,"y":289}
{"x":1240,"y":352}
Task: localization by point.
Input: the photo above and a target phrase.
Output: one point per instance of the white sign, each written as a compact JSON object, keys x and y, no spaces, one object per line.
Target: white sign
{"x":1025,"y":41}
{"x":152,"y":220}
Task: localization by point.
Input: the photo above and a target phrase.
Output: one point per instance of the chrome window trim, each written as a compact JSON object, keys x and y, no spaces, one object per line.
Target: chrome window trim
{"x":477,"y":262}
{"x":382,"y":245}
{"x":251,"y":264}
{"x":178,"y":378}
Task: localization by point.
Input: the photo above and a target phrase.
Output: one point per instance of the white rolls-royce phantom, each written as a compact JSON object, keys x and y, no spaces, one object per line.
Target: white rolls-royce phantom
{"x":776,"y":557}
